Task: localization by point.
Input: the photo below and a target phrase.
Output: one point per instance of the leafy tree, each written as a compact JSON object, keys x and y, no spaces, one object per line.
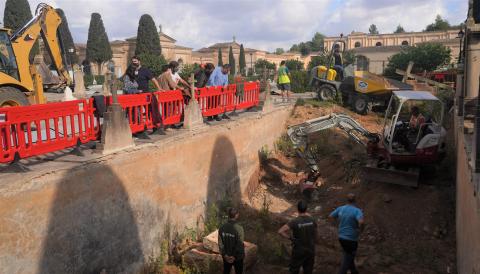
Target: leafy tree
{"x":426,"y":56}
{"x":399,"y":29}
{"x":260,"y":63}
{"x":148,"y":40}
{"x":294,"y":65}
{"x":16,"y":14}
{"x":98,"y":47}
{"x":220,"y":58}
{"x":153,"y":62}
{"x":67,"y":38}
{"x":295,"y":48}
{"x":439,"y":24}
{"x":279,"y":51}
{"x":317,"y":42}
{"x":305,"y":48}
{"x":373,"y":29}
{"x":188,"y":69}
{"x":241,"y":60}
{"x":231,"y":60}
{"x":348,"y":58}
{"x":320,"y":60}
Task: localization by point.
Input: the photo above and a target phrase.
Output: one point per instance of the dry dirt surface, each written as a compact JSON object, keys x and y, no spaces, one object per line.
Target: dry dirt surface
{"x":407,"y":230}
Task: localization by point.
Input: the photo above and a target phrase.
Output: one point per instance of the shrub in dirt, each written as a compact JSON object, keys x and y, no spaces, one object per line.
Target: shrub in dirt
{"x":263,"y":154}
{"x":88,"y":79}
{"x":299,"y":81}
{"x":285,"y":146}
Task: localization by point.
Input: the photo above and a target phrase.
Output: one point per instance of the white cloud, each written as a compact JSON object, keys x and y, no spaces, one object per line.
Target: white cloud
{"x":266,"y":24}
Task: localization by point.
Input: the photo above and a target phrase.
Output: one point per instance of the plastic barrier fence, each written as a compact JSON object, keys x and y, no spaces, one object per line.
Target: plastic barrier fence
{"x":38,"y":129}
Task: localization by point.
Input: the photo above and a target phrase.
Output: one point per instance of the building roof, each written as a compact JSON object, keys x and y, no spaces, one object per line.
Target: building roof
{"x":415,"y":95}
{"x":391,"y":34}
{"x":225,"y":45}
{"x":161,"y":34}
{"x":181,"y":47}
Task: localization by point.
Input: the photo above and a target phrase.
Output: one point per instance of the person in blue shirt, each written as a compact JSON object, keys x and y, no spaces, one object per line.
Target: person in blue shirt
{"x":350,"y":224}
{"x":219,"y":78}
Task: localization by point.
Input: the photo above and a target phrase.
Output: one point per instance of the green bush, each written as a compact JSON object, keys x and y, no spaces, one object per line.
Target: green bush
{"x":88,"y":79}
{"x":299,"y":81}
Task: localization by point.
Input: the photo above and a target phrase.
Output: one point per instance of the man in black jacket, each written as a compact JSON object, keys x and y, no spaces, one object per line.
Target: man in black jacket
{"x":230,"y":243}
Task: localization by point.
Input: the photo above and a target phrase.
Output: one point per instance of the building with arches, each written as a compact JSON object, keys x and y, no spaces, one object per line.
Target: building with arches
{"x":373,"y":50}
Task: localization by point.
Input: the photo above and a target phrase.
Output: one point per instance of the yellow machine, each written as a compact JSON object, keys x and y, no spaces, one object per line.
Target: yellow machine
{"x":20,"y":83}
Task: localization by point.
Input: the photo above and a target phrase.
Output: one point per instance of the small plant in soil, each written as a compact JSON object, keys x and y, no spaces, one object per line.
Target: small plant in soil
{"x":285,"y":146}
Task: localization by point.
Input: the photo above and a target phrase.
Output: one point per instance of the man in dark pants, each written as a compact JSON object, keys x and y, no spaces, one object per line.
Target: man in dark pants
{"x":143,"y":75}
{"x":350,"y":224}
{"x":230,"y":243}
{"x":303,"y":233}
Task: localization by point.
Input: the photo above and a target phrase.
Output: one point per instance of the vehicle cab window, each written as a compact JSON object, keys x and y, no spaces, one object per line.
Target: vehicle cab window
{"x":8,"y":64}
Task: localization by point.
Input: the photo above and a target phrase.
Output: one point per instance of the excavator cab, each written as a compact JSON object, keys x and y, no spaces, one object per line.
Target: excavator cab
{"x":8,"y":63}
{"x":413,"y":127}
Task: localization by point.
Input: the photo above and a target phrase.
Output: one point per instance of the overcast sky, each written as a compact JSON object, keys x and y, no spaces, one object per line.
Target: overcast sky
{"x":261,"y":24}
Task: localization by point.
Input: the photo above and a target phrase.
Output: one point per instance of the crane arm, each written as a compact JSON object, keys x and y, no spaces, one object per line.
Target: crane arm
{"x":45,"y":23}
{"x":299,"y":133}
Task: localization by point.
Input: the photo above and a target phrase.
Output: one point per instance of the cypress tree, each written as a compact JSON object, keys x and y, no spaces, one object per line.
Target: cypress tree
{"x":148,"y":41}
{"x":241,"y":60}
{"x":67,"y":38}
{"x":98,"y":47}
{"x":220,"y":58}
{"x":231,"y":60}
{"x":16,"y":14}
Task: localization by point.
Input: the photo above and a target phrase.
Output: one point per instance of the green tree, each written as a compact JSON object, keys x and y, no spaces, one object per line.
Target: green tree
{"x":305,"y":48}
{"x":153,"y":62}
{"x":426,"y":56}
{"x":241,"y":60}
{"x":220,"y":57}
{"x":231,"y":60}
{"x":439,"y":24}
{"x":279,"y":51}
{"x":348,"y":57}
{"x":148,"y":40}
{"x":98,"y":47}
{"x":261,"y":63}
{"x":294,"y":65}
{"x":16,"y":14}
{"x":399,"y":29}
{"x":373,"y":29}
{"x":317,"y":42}
{"x":295,"y":48}
{"x":320,"y":60}
{"x":67,"y":39}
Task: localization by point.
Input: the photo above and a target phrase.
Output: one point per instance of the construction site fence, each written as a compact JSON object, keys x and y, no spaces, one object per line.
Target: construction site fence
{"x":28,"y":131}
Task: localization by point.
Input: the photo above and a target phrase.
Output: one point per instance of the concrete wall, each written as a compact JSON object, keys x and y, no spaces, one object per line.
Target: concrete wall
{"x":112,"y":211}
{"x":467,"y":213}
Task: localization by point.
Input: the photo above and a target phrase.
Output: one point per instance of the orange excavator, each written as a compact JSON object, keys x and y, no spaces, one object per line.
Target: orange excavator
{"x":20,"y":82}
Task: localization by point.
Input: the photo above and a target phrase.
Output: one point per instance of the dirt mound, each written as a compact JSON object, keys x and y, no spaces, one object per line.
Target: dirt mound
{"x":407,"y":230}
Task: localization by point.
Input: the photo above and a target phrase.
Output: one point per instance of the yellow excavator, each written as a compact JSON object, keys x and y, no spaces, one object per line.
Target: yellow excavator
{"x":20,"y":82}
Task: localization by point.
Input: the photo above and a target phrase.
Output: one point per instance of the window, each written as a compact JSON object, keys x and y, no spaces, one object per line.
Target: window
{"x":405,"y":43}
{"x":8,"y":64}
{"x":378,"y":44}
{"x":358,"y":44}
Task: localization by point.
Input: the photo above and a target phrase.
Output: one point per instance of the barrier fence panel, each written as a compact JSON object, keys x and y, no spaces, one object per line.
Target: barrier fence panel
{"x":137,"y":107}
{"x":171,"y":105}
{"x":250,"y":98}
{"x":229,"y":98}
{"x":210,"y":101}
{"x":34,"y":130}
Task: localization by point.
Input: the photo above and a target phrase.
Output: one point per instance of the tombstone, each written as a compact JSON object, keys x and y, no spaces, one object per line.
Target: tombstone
{"x":79,"y":84}
{"x":193,"y":114}
{"x":107,"y":84}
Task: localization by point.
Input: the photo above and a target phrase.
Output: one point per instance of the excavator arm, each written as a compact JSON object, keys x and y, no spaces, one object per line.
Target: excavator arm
{"x":45,"y":23}
{"x":299,"y":134}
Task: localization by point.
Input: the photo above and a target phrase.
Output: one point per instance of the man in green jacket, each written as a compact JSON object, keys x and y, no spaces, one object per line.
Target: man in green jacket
{"x":230,"y":243}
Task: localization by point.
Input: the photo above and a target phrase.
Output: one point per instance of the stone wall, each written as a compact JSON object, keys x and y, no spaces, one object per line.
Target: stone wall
{"x":467,"y":212}
{"x":111,"y":212}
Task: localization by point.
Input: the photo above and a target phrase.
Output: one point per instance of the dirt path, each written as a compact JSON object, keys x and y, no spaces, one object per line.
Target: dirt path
{"x":408,"y":230}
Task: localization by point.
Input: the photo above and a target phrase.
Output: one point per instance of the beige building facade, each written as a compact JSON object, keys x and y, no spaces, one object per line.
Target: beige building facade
{"x":373,"y":51}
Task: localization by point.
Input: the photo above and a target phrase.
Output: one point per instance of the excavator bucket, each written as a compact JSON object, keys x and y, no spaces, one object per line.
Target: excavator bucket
{"x":391,"y":175}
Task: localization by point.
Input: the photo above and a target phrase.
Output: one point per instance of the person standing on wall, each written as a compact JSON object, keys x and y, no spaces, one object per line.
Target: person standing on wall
{"x":284,"y":80}
{"x":302,"y":231}
{"x":230,"y":243}
{"x":350,"y":224}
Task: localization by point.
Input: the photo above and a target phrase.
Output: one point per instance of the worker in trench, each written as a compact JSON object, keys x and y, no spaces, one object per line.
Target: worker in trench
{"x":302,"y":231}
{"x":350,"y":224}
{"x":230,"y":243}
